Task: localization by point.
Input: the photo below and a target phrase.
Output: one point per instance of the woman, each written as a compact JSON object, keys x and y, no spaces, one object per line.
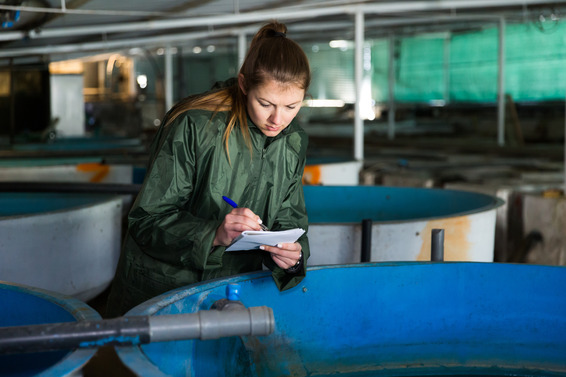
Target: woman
{"x":237,"y":141}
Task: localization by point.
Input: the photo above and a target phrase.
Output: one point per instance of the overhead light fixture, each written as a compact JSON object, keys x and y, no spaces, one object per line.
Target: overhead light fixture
{"x":324,"y":103}
{"x":339,"y":43}
{"x":142,"y":81}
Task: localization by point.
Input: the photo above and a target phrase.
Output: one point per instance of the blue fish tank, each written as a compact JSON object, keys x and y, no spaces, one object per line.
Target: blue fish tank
{"x":377,"y":319}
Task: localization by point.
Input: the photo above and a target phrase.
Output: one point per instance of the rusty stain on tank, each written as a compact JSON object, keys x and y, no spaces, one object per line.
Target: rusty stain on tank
{"x":456,"y":243}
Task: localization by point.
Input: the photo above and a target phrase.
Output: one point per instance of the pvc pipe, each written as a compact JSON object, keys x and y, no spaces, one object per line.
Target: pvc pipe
{"x":69,"y":335}
{"x":212,"y":324}
{"x":136,"y":330}
{"x":437,"y":245}
{"x":366,"y":240}
{"x":94,"y":12}
{"x":111,"y":44}
{"x":358,"y":76}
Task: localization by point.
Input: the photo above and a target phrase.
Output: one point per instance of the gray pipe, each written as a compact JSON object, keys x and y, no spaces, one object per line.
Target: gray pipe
{"x":437,"y":245}
{"x":212,"y":324}
{"x":136,"y":330}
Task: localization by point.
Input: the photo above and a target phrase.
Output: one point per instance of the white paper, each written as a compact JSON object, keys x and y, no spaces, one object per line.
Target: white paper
{"x":251,"y":239}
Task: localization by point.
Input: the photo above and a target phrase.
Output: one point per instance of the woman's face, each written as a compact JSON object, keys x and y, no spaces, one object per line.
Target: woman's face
{"x":272,"y":106}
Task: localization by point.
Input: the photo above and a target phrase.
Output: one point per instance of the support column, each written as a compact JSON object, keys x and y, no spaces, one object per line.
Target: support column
{"x":242,"y":48}
{"x":358,"y":73}
{"x":168,"y":78}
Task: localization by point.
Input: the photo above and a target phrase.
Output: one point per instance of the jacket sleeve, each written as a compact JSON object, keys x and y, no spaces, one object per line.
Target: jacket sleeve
{"x":293,"y":214}
{"x":160,"y":221}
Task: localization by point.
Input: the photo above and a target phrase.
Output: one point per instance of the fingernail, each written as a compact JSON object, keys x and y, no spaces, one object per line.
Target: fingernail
{"x":259,"y":221}
{"x":279,"y":245}
{"x":262,"y":248}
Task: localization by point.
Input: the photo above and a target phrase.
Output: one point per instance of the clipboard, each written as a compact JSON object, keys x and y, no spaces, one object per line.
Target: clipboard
{"x":252,"y":239}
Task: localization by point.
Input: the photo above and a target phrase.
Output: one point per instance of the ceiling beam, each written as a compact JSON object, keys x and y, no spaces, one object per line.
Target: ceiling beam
{"x":285,"y":13}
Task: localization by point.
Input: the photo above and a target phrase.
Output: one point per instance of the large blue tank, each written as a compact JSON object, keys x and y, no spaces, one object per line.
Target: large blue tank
{"x":387,"y":319}
{"x":22,"y":306}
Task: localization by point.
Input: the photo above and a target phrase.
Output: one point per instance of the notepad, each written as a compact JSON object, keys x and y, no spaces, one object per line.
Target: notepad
{"x":251,"y":239}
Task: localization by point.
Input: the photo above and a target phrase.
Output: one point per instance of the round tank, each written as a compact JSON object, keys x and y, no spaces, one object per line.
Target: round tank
{"x":65,"y":243}
{"x":386,"y":319}
{"x":22,"y":306}
{"x":74,"y":159}
{"x":80,"y":144}
{"x":402,"y":220}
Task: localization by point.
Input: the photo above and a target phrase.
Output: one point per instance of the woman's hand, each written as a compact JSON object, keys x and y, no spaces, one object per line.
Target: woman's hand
{"x":285,"y":255}
{"x":235,"y":222}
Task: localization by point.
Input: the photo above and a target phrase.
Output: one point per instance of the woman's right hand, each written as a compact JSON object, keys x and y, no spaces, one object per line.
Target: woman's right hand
{"x":235,"y":222}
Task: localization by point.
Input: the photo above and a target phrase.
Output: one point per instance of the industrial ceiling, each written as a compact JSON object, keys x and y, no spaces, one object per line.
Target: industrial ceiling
{"x":58,"y":29}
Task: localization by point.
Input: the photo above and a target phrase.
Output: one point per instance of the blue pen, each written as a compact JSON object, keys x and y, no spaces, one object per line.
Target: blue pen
{"x":233,"y":204}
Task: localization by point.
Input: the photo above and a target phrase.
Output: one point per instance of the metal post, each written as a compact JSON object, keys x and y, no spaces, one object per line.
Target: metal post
{"x":168,"y":78}
{"x":12,"y":103}
{"x":358,"y":73}
{"x":366,"y":240}
{"x":242,"y":48}
{"x":437,"y":245}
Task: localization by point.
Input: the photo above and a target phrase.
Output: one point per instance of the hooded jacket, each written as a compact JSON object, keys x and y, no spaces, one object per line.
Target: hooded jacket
{"x":173,"y":221}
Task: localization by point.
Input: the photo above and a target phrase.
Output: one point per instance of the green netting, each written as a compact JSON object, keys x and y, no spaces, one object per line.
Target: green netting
{"x":473,"y":66}
{"x":419,"y":69}
{"x":464,"y":67}
{"x":535,"y":63}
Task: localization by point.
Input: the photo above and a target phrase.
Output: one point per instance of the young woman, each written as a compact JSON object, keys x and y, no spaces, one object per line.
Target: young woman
{"x":238,"y":141}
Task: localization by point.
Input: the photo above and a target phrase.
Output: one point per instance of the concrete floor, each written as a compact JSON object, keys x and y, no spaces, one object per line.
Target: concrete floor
{"x":105,"y":363}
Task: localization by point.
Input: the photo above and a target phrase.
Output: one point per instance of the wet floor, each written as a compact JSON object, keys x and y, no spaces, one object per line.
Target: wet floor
{"x":105,"y":363}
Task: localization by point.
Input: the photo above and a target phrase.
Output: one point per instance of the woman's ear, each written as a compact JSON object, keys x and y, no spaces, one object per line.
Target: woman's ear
{"x":241,"y":83}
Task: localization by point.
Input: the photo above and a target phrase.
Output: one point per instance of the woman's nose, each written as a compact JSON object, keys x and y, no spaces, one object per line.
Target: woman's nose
{"x":275,"y":117}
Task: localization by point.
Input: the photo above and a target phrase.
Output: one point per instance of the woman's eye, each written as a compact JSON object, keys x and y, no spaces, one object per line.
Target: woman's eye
{"x":264,"y":104}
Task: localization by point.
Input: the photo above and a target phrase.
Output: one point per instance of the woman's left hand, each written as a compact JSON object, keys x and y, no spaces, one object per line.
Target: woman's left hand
{"x":285,"y":255}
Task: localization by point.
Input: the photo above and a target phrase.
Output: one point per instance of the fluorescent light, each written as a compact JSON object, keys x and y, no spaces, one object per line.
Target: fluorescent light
{"x":339,"y":43}
{"x":324,"y":103}
{"x":142,"y":81}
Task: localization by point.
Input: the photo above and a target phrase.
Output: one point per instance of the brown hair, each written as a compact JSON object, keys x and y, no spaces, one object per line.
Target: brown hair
{"x":271,"y":56}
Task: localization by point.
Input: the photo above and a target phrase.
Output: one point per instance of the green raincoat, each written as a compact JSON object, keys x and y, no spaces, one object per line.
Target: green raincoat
{"x":173,"y":221}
